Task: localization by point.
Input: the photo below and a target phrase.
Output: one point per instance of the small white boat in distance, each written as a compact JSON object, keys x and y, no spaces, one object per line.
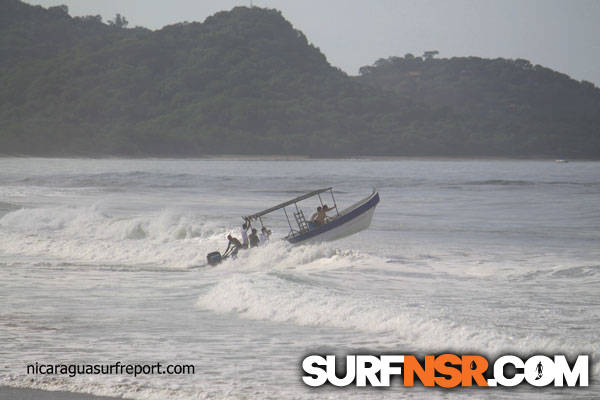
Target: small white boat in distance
{"x":344,"y":223}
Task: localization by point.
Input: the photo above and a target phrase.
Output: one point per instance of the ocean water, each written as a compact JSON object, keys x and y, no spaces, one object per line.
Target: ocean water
{"x":102,"y":261}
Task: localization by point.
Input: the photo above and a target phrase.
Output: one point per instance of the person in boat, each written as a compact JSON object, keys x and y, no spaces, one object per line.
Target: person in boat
{"x":254,"y":241}
{"x":321,"y":217}
{"x":232,"y":247}
{"x":264,"y":235}
{"x":313,"y":221}
{"x":244,"y":234}
{"x":325,"y":210}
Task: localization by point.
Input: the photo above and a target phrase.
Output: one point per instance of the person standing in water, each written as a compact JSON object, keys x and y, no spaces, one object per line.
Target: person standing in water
{"x":244,"y":234}
{"x":253,"y":238}
{"x":232,"y":247}
{"x":264,"y":235}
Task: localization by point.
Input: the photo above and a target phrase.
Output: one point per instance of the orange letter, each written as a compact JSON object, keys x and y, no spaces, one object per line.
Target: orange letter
{"x":473,"y":367}
{"x":411,"y":365}
{"x":454,"y":373}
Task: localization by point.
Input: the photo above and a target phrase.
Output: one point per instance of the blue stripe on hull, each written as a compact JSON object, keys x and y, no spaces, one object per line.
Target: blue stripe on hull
{"x":338,"y":221}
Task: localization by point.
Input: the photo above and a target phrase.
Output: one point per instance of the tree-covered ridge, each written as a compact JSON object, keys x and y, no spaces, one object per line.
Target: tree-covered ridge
{"x":467,"y":83}
{"x":243,"y":81}
{"x":513,"y":105}
{"x":246,"y":82}
{"x":31,"y":33}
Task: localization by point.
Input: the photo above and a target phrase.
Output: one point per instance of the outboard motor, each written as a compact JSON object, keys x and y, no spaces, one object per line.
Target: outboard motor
{"x":214,"y":258}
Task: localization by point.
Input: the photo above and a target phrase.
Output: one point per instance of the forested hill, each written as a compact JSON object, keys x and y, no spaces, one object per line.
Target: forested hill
{"x":246,"y":82}
{"x":508,"y":104}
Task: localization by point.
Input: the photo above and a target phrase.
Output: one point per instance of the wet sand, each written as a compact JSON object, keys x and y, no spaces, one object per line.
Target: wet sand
{"x":9,"y":393}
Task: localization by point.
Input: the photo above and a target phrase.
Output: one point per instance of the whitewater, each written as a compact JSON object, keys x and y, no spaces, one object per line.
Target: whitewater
{"x":103,"y":260}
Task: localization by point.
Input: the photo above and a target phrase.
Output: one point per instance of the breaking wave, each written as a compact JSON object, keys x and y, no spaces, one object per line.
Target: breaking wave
{"x":90,"y":235}
{"x":299,"y":300}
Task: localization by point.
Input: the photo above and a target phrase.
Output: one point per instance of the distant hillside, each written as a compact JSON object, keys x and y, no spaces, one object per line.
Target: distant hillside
{"x":507,"y":106}
{"x":246,"y":82}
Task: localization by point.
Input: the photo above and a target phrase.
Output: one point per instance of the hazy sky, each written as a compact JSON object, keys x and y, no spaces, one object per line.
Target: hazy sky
{"x":561,"y":34}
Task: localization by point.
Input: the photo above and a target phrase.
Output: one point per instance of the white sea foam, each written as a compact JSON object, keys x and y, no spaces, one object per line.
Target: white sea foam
{"x":273,"y":297}
{"x":170,"y":237}
{"x":89,"y":234}
{"x":279,"y":254}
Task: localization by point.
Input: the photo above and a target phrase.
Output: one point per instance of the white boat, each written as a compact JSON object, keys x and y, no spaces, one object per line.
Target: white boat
{"x":344,"y":223}
{"x":351,"y":220}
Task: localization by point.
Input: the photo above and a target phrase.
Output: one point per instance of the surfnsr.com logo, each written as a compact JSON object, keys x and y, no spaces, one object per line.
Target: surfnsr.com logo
{"x":445,"y":370}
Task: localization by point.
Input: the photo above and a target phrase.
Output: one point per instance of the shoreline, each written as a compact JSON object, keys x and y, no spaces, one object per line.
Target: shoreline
{"x":16,"y":393}
{"x":278,"y":157}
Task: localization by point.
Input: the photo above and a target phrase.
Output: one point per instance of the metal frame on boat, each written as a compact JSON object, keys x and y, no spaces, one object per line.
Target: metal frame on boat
{"x":351,"y":220}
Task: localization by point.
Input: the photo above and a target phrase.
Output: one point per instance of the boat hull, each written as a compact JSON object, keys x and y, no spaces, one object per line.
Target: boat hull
{"x":350,"y":221}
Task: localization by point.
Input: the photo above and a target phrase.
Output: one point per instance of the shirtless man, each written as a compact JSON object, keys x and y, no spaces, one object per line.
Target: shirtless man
{"x":322,"y":214}
{"x":234,"y":244}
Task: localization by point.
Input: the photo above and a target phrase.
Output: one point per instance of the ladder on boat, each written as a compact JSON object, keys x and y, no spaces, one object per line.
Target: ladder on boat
{"x":301,"y":221}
